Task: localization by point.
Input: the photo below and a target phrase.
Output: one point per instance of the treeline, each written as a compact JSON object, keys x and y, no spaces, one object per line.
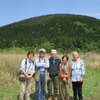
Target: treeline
{"x":64,"y":32}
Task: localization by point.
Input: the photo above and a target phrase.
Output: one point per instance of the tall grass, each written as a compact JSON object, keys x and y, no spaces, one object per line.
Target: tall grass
{"x":9,"y":67}
{"x":10,"y":64}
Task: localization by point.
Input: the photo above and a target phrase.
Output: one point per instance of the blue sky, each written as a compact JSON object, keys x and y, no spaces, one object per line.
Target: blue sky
{"x":17,"y":10}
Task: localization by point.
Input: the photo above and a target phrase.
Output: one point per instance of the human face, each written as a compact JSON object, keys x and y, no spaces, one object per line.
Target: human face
{"x":75,"y":56}
{"x":30,"y":56}
{"x":64,"y":60}
{"x":42,"y":54}
{"x":54,"y":55}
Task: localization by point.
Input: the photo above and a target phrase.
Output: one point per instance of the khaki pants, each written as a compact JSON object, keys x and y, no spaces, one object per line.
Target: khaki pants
{"x":64,"y":90}
{"x":25,"y":86}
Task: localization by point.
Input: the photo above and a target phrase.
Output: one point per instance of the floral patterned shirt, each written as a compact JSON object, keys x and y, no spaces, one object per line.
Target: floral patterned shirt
{"x":77,"y":70}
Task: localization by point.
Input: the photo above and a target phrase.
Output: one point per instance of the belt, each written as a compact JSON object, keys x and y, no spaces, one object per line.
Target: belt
{"x":42,"y":71}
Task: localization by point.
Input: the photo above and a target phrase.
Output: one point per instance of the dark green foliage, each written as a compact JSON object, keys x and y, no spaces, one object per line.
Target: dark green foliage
{"x":64,"y":32}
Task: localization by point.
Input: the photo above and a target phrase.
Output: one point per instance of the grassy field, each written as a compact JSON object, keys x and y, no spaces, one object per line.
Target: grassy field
{"x":9,"y":69}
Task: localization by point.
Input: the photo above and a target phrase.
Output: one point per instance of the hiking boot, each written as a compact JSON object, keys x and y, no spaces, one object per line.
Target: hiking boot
{"x":50,"y":98}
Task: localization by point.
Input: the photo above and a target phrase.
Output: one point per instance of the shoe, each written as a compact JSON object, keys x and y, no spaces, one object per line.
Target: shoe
{"x":56,"y":98}
{"x":50,"y":98}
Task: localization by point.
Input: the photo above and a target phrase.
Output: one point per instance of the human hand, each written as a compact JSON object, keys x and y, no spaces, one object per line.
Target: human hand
{"x":81,"y":79}
{"x":28,"y":77}
{"x":32,"y":75}
{"x":38,"y":62}
{"x":65,"y":80}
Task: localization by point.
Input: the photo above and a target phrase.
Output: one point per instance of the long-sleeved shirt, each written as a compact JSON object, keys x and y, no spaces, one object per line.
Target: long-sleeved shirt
{"x":40,"y":62}
{"x":78,"y":70}
{"x":28,"y":66}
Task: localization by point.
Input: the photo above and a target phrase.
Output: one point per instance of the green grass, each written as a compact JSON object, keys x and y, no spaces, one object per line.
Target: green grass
{"x":91,"y":87}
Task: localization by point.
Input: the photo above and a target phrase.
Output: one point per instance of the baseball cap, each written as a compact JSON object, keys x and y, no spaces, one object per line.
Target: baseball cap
{"x":42,"y":50}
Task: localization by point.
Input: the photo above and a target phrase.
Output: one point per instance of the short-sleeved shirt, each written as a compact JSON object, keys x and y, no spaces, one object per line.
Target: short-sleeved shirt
{"x":77,"y":70}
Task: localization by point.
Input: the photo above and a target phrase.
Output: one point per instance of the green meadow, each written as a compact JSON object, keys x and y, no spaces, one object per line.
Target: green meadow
{"x":10,"y":86}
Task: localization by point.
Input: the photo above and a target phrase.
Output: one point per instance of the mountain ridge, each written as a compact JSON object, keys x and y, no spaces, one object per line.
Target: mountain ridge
{"x":59,"y":31}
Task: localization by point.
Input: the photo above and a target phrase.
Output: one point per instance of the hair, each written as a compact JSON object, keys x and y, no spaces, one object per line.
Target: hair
{"x":53,"y":51}
{"x":75,"y":52}
{"x":30,"y":52}
{"x":67,"y":58}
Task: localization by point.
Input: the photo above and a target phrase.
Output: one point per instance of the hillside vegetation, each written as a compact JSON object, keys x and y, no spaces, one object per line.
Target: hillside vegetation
{"x":64,"y":32}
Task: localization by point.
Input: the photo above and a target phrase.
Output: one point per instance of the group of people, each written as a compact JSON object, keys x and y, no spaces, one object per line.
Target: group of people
{"x":54,"y":74}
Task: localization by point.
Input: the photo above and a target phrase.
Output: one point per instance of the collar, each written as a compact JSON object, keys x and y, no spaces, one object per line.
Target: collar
{"x":53,"y":58}
{"x":29,"y":60}
{"x":41,"y":57}
{"x":64,"y":64}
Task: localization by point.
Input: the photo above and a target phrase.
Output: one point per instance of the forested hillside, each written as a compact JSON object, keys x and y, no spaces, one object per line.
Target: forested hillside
{"x":64,"y":32}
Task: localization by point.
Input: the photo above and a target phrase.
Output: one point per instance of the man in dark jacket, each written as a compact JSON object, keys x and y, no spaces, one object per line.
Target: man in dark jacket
{"x":54,"y":75}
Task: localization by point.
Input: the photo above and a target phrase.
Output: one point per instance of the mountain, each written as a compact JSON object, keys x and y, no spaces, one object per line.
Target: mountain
{"x":64,"y":32}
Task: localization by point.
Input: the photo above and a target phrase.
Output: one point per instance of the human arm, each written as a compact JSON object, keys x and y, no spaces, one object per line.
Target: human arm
{"x":42,"y":64}
{"x":82,"y":71}
{"x":60,"y":70}
{"x":24,"y":67}
{"x":46,"y":65}
{"x":33,"y":68}
{"x":69,"y":69}
{"x":27,"y":76}
{"x":37,"y":63}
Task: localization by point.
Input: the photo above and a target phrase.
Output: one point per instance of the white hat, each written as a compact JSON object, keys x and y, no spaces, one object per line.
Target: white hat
{"x":42,"y":50}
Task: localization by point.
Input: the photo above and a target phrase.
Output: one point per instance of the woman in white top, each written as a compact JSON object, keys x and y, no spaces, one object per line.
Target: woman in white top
{"x":27,"y":69}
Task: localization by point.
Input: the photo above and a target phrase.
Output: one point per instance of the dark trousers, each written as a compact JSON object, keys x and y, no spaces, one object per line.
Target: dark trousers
{"x":77,"y":89}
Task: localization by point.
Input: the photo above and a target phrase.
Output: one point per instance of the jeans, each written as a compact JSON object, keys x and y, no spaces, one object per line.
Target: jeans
{"x":77,"y":89}
{"x":40,"y":87}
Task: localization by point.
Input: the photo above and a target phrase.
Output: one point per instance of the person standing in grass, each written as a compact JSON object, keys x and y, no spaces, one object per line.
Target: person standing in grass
{"x":64,"y":79}
{"x":54,"y":75}
{"x":27,"y":69}
{"x":41,"y":75}
{"x":77,"y":75}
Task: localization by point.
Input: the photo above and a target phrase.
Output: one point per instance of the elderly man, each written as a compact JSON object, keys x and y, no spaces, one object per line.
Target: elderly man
{"x":41,"y":75}
{"x":54,"y":75}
